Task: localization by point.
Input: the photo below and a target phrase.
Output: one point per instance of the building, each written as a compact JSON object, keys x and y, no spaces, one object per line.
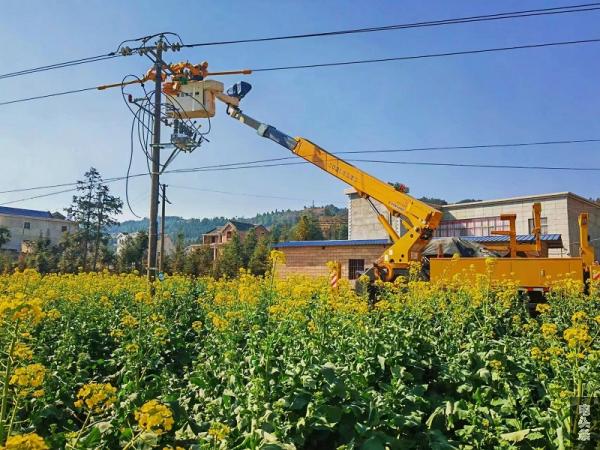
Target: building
{"x":28,"y":225}
{"x":310,"y":257}
{"x":472,"y":221}
{"x":219,"y":236}
{"x":476,"y":220}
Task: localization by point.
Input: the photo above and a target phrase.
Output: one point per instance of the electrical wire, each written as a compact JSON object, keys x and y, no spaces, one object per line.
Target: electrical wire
{"x":238,"y":166}
{"x":426,"y":56}
{"x":235,"y":193}
{"x":452,"y":21}
{"x":61,"y":65}
{"x":586,"y":7}
{"x":55,"y":94}
{"x":363,"y":61}
{"x":414,"y":149}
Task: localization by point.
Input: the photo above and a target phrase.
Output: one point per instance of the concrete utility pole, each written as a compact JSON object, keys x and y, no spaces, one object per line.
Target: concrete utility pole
{"x":152,"y":233}
{"x":161,"y":262}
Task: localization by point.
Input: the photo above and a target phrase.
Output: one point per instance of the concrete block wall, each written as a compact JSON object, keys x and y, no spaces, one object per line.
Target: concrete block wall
{"x":312,"y":260}
{"x":576,"y":206}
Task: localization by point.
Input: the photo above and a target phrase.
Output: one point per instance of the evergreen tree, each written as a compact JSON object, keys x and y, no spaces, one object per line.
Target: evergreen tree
{"x":132,"y":253}
{"x":259,"y":261}
{"x":250,"y":242}
{"x":178,"y":258}
{"x":4,"y":236}
{"x":232,"y":258}
{"x":199,"y":262}
{"x":45,"y":256}
{"x":93,"y":210}
{"x":307,"y":229}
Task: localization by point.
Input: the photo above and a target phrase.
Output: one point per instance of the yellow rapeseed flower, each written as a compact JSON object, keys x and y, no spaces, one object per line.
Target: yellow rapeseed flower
{"x":96,"y":397}
{"x":27,"y":378}
{"x":548,"y":330}
{"x":155,"y":417}
{"x":29,"y":441}
{"x":577,"y":335}
{"x":536,"y":353}
{"x":578,"y":316}
{"x":542,"y":308}
{"x":22,"y":352}
{"x":219,"y":431}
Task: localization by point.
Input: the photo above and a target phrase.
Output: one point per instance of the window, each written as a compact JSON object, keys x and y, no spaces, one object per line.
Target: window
{"x":355,"y":268}
{"x":471,"y":227}
{"x":544,"y":225}
{"x":63,"y":229}
{"x":26,"y":225}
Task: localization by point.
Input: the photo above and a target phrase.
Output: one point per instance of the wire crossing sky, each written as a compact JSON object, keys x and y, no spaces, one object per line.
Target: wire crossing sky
{"x":527,"y":81}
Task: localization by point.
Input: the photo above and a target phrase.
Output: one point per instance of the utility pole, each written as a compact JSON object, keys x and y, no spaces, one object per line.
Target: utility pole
{"x":161,"y":262}
{"x":153,"y":232}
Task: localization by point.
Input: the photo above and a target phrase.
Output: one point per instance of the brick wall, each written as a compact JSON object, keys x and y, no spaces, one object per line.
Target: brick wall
{"x":312,"y":260}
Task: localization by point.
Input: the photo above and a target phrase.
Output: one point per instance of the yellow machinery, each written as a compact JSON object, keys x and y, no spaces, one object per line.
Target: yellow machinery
{"x":420,"y":220}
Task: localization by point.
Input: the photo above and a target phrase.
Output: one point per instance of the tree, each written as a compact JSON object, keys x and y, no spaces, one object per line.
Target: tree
{"x":469,"y":200}
{"x":132,"y":254}
{"x":231,"y":259}
{"x":250,"y":242}
{"x":307,"y":229}
{"x":4,"y":236}
{"x":45,"y":256}
{"x":93,"y":210}
{"x":199,"y":262}
{"x":433,"y":200}
{"x":178,"y":259}
{"x":259,"y":260}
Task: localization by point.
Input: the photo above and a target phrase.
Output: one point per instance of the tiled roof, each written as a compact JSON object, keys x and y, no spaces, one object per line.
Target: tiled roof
{"x":553,"y":240}
{"x":25,"y":212}
{"x":332,"y":243}
{"x":242,"y":226}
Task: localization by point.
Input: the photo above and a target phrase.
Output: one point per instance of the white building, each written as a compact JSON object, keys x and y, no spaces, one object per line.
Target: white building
{"x":560,"y":212}
{"x":28,"y":225}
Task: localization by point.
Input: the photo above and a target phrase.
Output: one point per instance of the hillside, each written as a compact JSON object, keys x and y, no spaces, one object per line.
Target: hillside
{"x":328,"y":216}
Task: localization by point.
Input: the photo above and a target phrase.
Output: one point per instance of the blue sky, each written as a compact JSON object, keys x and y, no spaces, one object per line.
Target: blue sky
{"x":521,"y":96}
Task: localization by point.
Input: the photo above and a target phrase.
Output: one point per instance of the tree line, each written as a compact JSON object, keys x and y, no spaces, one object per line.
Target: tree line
{"x":89,"y":248}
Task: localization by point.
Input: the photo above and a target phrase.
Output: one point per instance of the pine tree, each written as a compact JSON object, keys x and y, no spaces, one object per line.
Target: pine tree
{"x":307,"y":229}
{"x":133,"y":252}
{"x":259,"y":261}
{"x":178,"y":258}
{"x":199,"y":262}
{"x":93,"y":210}
{"x":231,"y":260}
{"x":4,"y":236}
{"x":250,"y":242}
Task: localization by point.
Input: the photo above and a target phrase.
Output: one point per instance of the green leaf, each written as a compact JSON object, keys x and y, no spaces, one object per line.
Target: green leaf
{"x":381,"y":360}
{"x":516,"y":436}
{"x":373,"y":443}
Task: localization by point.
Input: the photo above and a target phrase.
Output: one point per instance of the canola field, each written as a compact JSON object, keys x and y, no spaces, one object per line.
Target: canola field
{"x":93,"y":361}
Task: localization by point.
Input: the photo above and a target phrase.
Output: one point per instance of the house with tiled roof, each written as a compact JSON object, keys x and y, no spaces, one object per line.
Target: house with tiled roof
{"x":29,"y":225}
{"x":219,"y":236}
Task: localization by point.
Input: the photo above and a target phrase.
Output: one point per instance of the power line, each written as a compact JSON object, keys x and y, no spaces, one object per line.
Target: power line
{"x":586,"y":7}
{"x":61,"y":65}
{"x":470,"y":147}
{"x":241,"y":194}
{"x":56,"y":94}
{"x":345,"y":63}
{"x":238,"y":166}
{"x":254,"y":162}
{"x":451,"y":21}
{"x":426,"y":56}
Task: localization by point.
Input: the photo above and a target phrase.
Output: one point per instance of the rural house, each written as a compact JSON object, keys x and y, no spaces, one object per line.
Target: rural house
{"x":219,"y":236}
{"x":472,"y":221}
{"x":28,"y":225}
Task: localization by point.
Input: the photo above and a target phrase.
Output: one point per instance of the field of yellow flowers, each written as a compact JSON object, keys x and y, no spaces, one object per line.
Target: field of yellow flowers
{"x":93,"y":361}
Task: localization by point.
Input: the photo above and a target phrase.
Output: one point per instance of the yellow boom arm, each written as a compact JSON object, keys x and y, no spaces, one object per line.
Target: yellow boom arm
{"x":419,"y":219}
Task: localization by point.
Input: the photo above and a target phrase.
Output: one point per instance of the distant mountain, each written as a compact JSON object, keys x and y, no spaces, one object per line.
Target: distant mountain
{"x":193,"y":229}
